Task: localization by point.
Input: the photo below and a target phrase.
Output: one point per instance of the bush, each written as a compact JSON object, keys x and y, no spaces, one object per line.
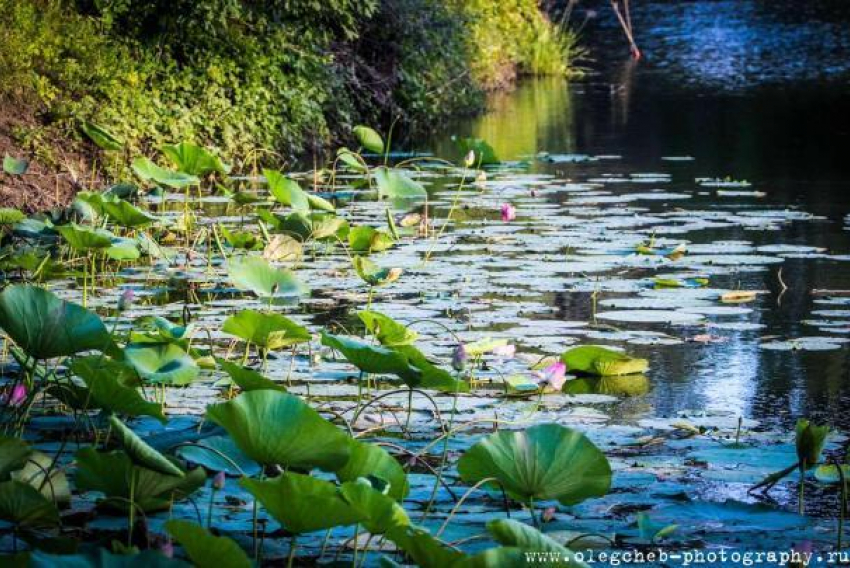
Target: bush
{"x":280,"y":75}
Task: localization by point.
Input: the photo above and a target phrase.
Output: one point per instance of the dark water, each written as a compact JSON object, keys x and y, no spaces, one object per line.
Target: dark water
{"x":752,"y":90}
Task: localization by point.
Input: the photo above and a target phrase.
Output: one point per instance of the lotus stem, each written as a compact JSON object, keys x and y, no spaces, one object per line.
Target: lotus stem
{"x":356,"y":538}
{"x":843,"y":505}
{"x":292,"y":547}
{"x":132,"y":513}
{"x":463,"y":497}
{"x":442,"y":460}
{"x":802,"y":502}
{"x":534,"y":519}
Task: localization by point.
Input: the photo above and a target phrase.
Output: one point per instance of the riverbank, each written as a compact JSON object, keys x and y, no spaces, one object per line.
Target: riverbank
{"x":285,"y":78}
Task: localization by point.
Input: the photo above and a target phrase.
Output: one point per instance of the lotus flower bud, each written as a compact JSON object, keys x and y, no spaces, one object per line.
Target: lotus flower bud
{"x":469,"y":159}
{"x":218,"y":481}
{"x":555,"y":375}
{"x":508,"y":212}
{"x":126,"y":300}
{"x":19,"y":395}
{"x":810,"y":441}
{"x":459,"y":358}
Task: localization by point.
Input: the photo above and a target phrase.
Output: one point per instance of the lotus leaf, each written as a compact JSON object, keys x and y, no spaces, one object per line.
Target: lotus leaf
{"x":149,"y":171}
{"x":257,"y":275}
{"x":395,"y":184}
{"x":267,"y":330}
{"x":101,"y":137}
{"x":46,"y":326}
{"x":286,"y":190}
{"x":370,"y":459}
{"x":302,"y":503}
{"x":206,"y":550}
{"x":547,"y":461}
{"x":140,"y":452}
{"x":273,"y":427}
{"x":596,"y":360}
{"x":369,"y":139}
{"x":194,"y":160}
{"x":162,"y":363}
{"x":387,"y":331}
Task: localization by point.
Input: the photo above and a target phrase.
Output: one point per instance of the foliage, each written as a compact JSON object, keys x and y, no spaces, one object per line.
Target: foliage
{"x":275,"y":74}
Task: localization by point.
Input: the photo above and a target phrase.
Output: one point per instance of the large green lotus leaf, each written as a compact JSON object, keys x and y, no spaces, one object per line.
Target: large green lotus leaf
{"x":369,"y":139}
{"x":149,"y":171}
{"x":425,"y":550}
{"x":547,"y":461}
{"x":46,"y":326}
{"x":162,"y":363}
{"x":267,"y":330}
{"x":366,"y":239}
{"x":248,"y":379}
{"x":15,"y":166}
{"x":369,"y":459}
{"x":596,"y":360}
{"x":241,"y":239}
{"x":9,"y":216}
{"x":194,"y":160}
{"x":428,"y":375}
{"x":14,"y":453}
{"x":206,"y":550}
{"x":512,"y":533}
{"x":283,"y":248}
{"x":126,"y":214}
{"x":352,"y":160}
{"x":111,"y":386}
{"x":320,"y":203}
{"x":386,"y":330}
{"x":110,"y":473}
{"x":297,"y":224}
{"x":370,"y":358}
{"x":123,"y":249}
{"x":619,"y":385}
{"x":101,"y":137}
{"x":395,"y":184}
{"x":254,"y":273}
{"x":273,"y":427}
{"x":102,"y":558}
{"x":286,"y":190}
{"x":302,"y":503}
{"x":24,"y":506}
{"x":140,"y":452}
{"x":167,"y":330}
{"x":54,"y":486}
{"x":379,"y":513}
{"x":329,"y":227}
{"x":84,"y":239}
{"x":372,"y":274}
{"x":219,"y":453}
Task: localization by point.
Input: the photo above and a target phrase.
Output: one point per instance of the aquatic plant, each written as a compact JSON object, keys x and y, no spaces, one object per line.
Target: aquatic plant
{"x":543,"y":462}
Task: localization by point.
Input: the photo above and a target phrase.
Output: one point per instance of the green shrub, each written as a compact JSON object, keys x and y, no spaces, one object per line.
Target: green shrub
{"x":280,"y":75}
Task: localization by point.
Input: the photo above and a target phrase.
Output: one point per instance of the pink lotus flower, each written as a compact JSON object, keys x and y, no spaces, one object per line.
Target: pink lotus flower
{"x":19,"y":395}
{"x":508,"y":212}
{"x":555,"y":375}
{"x":504,"y":351}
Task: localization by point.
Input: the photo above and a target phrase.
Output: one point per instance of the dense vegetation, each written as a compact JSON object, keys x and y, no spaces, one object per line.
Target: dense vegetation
{"x":280,"y":75}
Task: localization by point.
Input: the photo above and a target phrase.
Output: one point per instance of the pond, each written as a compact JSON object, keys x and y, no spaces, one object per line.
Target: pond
{"x":686,"y":213}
